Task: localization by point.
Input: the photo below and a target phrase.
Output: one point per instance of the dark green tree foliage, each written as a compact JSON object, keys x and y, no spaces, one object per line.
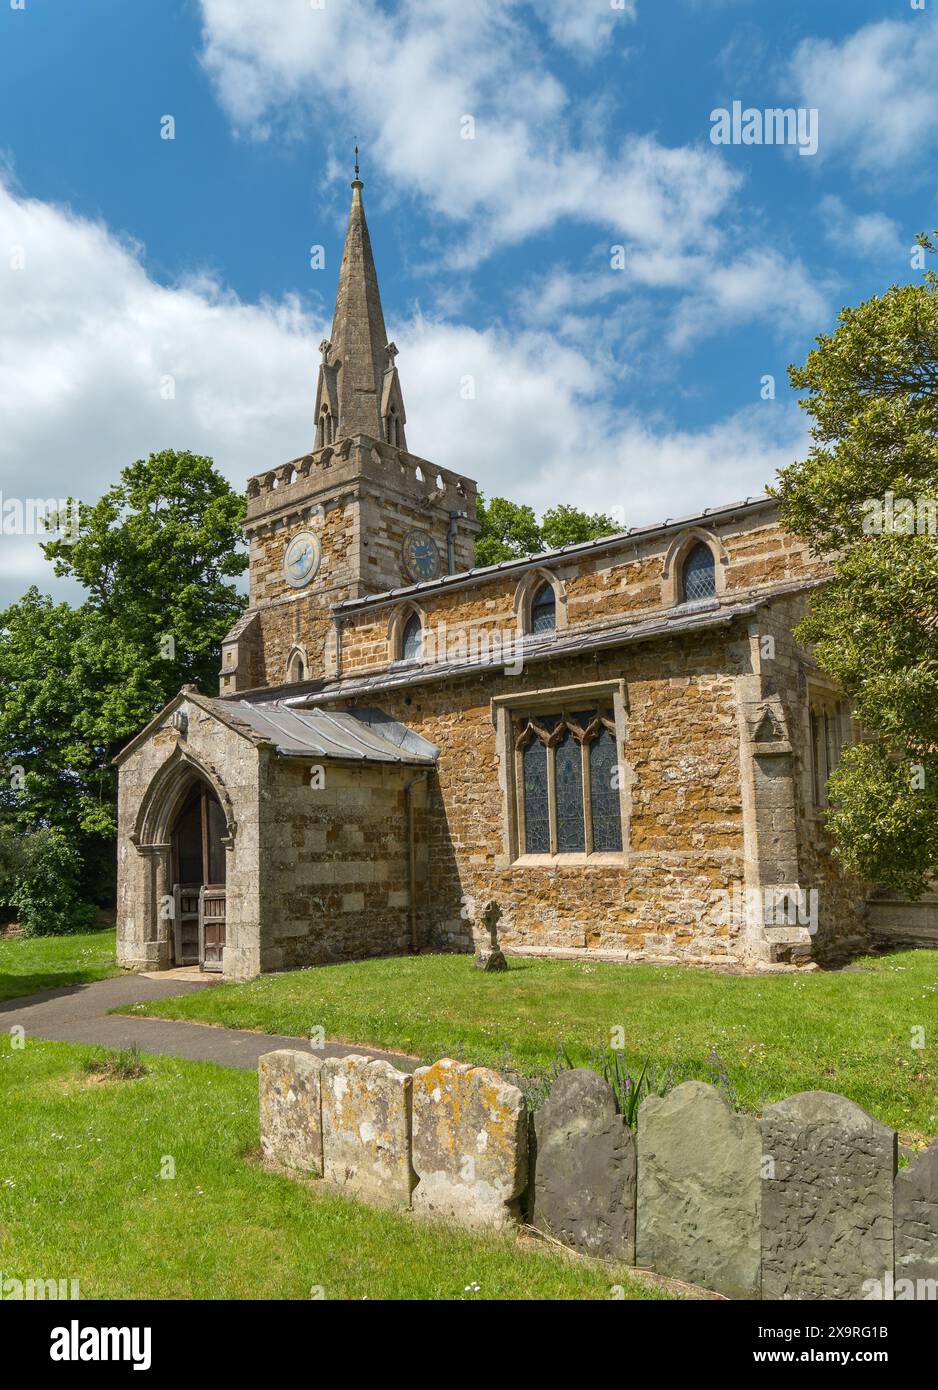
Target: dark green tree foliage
{"x":510,"y":530}
{"x":868,"y":492}
{"x":156,"y":557}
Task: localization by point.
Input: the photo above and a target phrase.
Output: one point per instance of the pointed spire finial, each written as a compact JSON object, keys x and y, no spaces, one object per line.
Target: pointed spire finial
{"x":356,"y":161}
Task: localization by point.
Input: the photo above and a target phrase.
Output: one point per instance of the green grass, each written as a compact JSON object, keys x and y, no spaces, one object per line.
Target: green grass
{"x":834,"y":1031}
{"x":81,"y":1197}
{"x":29,"y":964}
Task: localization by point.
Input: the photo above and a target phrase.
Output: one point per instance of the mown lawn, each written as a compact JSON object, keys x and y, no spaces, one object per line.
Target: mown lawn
{"x":29,"y":964}
{"x":81,"y":1197}
{"x":847,"y":1031}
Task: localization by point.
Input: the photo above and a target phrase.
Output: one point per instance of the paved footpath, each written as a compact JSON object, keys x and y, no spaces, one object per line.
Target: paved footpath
{"x":79,"y":1014}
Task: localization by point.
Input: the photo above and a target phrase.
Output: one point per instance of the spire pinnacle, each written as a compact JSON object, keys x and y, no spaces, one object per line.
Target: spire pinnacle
{"x":358,"y":391}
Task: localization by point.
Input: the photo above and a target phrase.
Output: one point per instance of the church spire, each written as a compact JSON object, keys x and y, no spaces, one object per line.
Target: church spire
{"x":358,"y":391}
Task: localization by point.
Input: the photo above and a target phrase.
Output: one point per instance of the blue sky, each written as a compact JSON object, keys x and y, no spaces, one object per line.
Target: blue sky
{"x":633,"y":390}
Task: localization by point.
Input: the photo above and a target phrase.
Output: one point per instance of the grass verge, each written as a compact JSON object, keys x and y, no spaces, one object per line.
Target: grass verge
{"x":848,"y":1031}
{"x":82,"y":1197}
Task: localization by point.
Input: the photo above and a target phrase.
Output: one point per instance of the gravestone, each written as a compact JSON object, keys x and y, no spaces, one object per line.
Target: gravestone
{"x":699,"y":1190}
{"x":470,"y":1145}
{"x":827,"y":1198}
{"x":584,"y":1168}
{"x":291,"y":1115}
{"x":366,"y":1129}
{"x":491,"y":956}
{"x":916,"y":1215}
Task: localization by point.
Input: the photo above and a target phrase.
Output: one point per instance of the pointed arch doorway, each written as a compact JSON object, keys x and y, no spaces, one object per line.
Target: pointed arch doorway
{"x":198,"y":868}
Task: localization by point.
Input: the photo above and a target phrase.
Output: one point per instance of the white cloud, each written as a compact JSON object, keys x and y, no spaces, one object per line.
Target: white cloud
{"x":865,"y":234}
{"x":875,"y":92}
{"x":669,"y":207}
{"x":585,"y":26}
{"x":439,"y":63}
{"x":88,"y":338}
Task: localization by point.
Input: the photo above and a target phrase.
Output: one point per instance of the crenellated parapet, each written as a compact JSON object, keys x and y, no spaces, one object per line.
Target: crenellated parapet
{"x":310,"y":481}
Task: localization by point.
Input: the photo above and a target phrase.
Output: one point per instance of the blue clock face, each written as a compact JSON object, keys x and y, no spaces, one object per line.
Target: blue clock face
{"x":421,"y":556}
{"x":301,"y":558}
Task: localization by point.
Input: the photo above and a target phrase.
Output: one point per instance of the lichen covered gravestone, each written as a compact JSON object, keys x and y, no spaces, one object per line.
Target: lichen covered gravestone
{"x":290,"y":1102}
{"x":699,"y":1190}
{"x":827,"y":1199}
{"x":366,"y":1129}
{"x":470,"y":1145}
{"x":916,"y":1214}
{"x":584,"y":1168}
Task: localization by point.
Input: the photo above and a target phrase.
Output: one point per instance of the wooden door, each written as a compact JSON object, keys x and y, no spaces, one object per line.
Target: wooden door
{"x":212,"y":926}
{"x":186,"y":919}
{"x":199,"y":889}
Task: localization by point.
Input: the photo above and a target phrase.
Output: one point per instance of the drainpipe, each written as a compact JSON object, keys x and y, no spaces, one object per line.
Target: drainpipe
{"x":451,"y":542}
{"x":338,"y":647}
{"x":412,"y":857}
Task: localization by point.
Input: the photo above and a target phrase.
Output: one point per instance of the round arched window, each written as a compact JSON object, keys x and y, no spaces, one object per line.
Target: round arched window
{"x":543,"y":610}
{"x":698,"y":578}
{"x":412,"y":639}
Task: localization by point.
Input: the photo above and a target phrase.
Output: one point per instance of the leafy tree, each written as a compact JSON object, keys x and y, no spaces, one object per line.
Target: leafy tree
{"x":510,"y":530}
{"x":868,"y":494}
{"x":47,"y":894}
{"x":156,"y":557}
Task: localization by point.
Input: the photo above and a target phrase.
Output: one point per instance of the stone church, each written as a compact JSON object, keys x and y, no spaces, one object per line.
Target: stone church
{"x":620,"y":742}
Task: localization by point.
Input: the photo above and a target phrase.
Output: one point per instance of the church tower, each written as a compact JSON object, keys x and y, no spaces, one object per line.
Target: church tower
{"x":358,"y":514}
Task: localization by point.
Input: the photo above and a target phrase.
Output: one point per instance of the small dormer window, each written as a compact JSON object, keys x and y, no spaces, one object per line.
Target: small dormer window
{"x":326,"y":431}
{"x":544,"y":610}
{"x":412,"y":639}
{"x":698,"y":576}
{"x":392,"y":427}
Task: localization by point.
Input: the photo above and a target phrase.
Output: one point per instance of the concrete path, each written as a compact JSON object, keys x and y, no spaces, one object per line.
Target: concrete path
{"x":79,"y":1014}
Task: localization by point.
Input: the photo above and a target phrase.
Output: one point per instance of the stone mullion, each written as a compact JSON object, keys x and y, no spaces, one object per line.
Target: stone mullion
{"x":518,"y":793}
{"x":552,"y":797}
{"x":587,"y":798}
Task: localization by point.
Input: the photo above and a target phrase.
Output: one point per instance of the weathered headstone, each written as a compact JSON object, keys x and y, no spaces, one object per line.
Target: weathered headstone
{"x":470,"y":1145}
{"x":584,"y":1168}
{"x":916,"y":1214}
{"x":291,"y":1115}
{"x":699,"y":1190}
{"x":366,"y":1129}
{"x":491,"y":956}
{"x":827,"y":1198}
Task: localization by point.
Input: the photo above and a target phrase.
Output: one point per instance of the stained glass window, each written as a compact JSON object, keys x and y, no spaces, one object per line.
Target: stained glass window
{"x":556,"y":786}
{"x":568,"y":765}
{"x":412,"y":639}
{"x":604,"y":797}
{"x":699,"y":580}
{"x":536,"y":814}
{"x":543,"y":610}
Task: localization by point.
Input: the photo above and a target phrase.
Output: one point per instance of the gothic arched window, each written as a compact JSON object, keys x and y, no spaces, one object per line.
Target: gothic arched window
{"x":698,"y":576}
{"x":412,"y":639}
{"x":544,"y":610}
{"x":391,"y":428}
{"x":567,"y":783}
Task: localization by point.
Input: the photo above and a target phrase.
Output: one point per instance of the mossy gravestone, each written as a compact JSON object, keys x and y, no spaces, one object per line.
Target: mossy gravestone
{"x":470,"y":1145}
{"x":584,"y":1168}
{"x":699,"y":1190}
{"x":366,"y":1129}
{"x":827,"y":1198}
{"x":917,"y":1224}
{"x":291,"y":1120}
